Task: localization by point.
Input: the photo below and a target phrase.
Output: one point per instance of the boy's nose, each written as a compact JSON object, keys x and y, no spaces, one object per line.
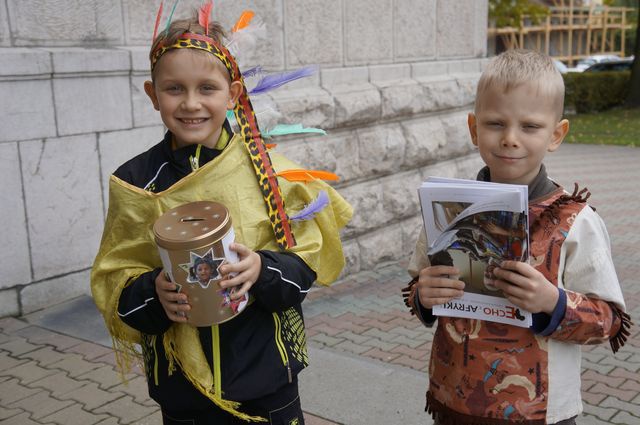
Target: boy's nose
{"x":510,"y":138}
{"x":191,"y":102}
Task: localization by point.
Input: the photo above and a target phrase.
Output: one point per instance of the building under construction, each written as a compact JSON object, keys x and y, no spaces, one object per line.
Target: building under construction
{"x":572,"y":30}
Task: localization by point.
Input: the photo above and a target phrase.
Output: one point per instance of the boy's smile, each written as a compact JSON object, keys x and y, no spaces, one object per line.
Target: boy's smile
{"x":509,"y":159}
{"x":514,"y":130}
{"x":191,"y":90}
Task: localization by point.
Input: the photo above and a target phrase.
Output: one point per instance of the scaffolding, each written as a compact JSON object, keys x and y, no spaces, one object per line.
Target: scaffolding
{"x":570,"y":33}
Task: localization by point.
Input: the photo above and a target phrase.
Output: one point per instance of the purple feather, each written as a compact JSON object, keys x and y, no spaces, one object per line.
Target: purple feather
{"x":314,"y":207}
{"x":252,"y":71}
{"x":273,"y":81}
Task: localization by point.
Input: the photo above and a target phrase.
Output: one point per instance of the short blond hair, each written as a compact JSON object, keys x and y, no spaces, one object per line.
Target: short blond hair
{"x":515,"y":67}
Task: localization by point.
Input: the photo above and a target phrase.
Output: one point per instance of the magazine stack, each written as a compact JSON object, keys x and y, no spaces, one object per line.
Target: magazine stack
{"x":474,"y":226}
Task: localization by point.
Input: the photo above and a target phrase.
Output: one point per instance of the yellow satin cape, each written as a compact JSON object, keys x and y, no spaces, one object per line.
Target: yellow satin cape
{"x":128,"y":249}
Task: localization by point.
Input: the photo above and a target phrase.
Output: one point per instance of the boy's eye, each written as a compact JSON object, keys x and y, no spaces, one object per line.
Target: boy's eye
{"x":173,"y":89}
{"x":531,"y":126}
{"x":494,"y":124}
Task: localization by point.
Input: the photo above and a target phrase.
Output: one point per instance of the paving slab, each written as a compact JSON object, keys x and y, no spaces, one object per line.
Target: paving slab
{"x":368,"y":354}
{"x":78,"y":317}
{"x":354,"y":390}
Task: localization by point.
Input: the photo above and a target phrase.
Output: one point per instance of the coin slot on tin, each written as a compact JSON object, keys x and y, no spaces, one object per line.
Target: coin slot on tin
{"x":189,"y":219}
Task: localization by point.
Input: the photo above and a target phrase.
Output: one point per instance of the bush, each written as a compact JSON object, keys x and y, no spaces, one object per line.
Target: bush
{"x":595,"y":91}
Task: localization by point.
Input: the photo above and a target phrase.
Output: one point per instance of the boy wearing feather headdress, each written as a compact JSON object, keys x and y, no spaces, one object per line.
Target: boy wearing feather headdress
{"x":484,"y":373}
{"x":244,"y":369}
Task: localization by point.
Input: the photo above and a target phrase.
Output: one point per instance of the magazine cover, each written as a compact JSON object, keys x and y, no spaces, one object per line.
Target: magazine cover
{"x":473,"y":226}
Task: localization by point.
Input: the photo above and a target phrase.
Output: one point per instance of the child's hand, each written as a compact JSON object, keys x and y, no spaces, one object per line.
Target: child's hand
{"x":526,"y":287}
{"x":173,"y":303}
{"x":247,"y":269}
{"x":436,"y":287}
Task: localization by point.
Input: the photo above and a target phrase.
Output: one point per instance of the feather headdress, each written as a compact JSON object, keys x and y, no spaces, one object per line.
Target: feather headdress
{"x":284,"y":129}
{"x":173,"y":9}
{"x":245,"y":33}
{"x":273,"y":81}
{"x":244,"y":112}
{"x":251,"y":72}
{"x":243,"y":21}
{"x":204,"y":15}
{"x":302,"y":175}
{"x":265,"y":111}
{"x":157,"y":24}
{"x":312,"y":208}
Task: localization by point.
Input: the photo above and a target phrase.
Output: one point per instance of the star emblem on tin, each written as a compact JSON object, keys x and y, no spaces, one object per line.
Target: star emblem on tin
{"x":202,"y":269}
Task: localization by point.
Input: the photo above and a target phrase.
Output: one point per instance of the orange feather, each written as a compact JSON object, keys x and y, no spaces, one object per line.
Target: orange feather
{"x":300,"y":174}
{"x":271,"y":145}
{"x":243,"y":21}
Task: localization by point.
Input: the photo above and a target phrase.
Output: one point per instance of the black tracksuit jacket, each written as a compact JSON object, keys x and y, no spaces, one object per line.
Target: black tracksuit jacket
{"x":261,"y":350}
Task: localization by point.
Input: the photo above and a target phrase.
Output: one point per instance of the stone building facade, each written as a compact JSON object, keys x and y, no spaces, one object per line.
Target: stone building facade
{"x":396,"y":80}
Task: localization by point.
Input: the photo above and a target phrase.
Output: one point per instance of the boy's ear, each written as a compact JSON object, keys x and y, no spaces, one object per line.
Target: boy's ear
{"x":559,"y":133}
{"x":235,"y":90}
{"x":473,"y":128}
{"x":150,"y":90}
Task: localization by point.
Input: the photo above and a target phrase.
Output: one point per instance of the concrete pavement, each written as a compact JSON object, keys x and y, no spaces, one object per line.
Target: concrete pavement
{"x":368,"y":355}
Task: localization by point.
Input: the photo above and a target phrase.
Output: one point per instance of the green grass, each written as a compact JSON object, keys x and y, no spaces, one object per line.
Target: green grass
{"x":612,"y":127}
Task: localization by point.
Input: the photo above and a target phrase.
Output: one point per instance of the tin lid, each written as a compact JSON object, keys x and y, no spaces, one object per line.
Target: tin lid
{"x":192,"y":225}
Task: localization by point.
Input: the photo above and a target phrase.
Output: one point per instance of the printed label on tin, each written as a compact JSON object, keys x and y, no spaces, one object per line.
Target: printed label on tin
{"x":232,"y":257}
{"x":236,"y":306}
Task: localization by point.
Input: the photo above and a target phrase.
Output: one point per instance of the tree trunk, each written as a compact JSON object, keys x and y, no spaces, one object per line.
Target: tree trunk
{"x":633,"y":98}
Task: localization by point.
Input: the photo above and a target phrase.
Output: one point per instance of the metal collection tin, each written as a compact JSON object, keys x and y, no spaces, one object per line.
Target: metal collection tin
{"x":193,"y":240}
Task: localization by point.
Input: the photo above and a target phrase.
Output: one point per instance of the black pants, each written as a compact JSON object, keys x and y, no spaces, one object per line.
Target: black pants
{"x":280,"y":408}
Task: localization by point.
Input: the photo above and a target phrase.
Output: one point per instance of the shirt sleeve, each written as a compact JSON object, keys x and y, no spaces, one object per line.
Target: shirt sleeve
{"x":419,"y":260}
{"x":595,"y":309}
{"x":284,"y":281}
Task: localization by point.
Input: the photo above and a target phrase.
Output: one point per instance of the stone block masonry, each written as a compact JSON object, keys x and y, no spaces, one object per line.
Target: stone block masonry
{"x":393,"y":91}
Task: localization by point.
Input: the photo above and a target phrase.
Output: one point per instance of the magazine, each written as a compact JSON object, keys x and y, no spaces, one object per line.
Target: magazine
{"x":475,"y":225}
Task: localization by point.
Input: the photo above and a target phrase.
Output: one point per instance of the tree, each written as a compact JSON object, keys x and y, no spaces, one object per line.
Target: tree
{"x":509,"y":13}
{"x":633,"y":98}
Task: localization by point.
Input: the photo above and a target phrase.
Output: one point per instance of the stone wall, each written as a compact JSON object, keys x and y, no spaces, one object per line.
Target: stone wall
{"x":396,"y":80}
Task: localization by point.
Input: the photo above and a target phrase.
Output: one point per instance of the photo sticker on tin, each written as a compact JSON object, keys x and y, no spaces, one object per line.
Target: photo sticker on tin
{"x":236,"y":306}
{"x":203,"y":269}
